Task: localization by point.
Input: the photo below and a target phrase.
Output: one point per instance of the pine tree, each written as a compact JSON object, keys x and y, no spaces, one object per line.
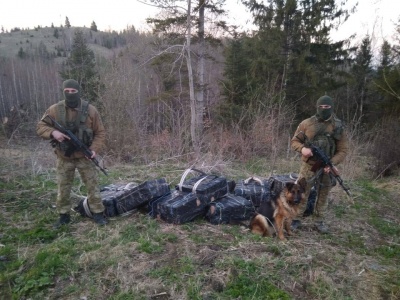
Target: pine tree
{"x":388,"y":78}
{"x":93,"y":27}
{"x":236,"y":87}
{"x":81,"y":66}
{"x":362,"y":76}
{"x":386,"y":57}
{"x":21,"y":53}
{"x":385,"y":144}
{"x":294,"y":56}
{"x":67,"y":23}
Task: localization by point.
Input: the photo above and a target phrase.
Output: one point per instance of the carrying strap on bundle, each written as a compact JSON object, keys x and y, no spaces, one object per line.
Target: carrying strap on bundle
{"x":293,"y":177}
{"x":187,"y":171}
{"x":87,"y":208}
{"x":198,"y":183}
{"x":129,"y":186}
{"x":253,"y":178}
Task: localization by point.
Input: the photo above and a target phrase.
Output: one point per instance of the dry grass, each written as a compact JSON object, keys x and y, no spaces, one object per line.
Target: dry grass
{"x":135,"y":257}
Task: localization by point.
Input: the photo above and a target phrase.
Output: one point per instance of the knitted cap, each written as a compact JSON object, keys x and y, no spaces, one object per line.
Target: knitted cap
{"x":325,"y":100}
{"x":70,"y":83}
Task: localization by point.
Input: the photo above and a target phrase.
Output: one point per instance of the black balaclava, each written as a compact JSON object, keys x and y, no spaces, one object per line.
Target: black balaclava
{"x":72,"y":100}
{"x":324,"y":114}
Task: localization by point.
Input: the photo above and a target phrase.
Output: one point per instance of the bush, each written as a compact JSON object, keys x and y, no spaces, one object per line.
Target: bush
{"x":385,"y":147}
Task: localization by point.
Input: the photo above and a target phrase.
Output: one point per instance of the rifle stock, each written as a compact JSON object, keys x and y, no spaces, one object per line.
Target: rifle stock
{"x":74,"y":141}
{"x":323,"y":160}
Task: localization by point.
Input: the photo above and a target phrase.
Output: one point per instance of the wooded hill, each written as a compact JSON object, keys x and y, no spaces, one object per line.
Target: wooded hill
{"x":53,"y":42}
{"x":210,"y":88}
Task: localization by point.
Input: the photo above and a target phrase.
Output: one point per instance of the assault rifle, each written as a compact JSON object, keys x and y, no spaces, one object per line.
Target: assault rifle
{"x":323,"y":160}
{"x":75,"y":142}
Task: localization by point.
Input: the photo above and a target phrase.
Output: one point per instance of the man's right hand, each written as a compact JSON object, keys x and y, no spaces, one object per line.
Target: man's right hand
{"x":306,"y":152}
{"x":59,"y":136}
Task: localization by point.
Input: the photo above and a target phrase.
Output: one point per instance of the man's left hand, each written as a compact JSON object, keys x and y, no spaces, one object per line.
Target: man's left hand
{"x":93,"y":155}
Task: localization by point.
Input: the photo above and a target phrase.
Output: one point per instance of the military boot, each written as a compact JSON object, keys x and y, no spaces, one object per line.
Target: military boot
{"x":64,"y":219}
{"x":321,"y":227}
{"x":99,"y":219}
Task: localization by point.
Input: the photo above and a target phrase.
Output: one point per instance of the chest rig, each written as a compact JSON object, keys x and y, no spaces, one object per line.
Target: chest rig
{"x":78,"y":125}
{"x":326,"y":139}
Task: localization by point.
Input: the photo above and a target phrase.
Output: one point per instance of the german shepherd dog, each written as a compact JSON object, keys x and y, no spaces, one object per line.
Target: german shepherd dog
{"x":279,"y":211}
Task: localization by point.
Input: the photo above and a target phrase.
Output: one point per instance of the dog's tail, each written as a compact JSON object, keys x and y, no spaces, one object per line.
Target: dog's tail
{"x":259,"y":225}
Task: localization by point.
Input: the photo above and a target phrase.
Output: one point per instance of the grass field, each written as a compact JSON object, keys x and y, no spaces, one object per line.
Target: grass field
{"x":136,"y":257}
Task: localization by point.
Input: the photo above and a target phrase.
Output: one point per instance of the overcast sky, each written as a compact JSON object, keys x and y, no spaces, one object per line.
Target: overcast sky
{"x":376,"y":17}
{"x":114,"y":14}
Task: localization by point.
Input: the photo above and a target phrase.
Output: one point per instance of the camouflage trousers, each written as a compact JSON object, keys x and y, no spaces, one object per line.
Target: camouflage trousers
{"x":65,"y":177}
{"x":323,"y":187}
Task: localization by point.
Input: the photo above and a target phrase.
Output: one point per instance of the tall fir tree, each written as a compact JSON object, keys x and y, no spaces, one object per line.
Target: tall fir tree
{"x":362,"y":74}
{"x":236,"y":87}
{"x":81,"y":66}
{"x":93,"y":27}
{"x":293,"y":54}
{"x":387,"y":81}
{"x":67,"y":23}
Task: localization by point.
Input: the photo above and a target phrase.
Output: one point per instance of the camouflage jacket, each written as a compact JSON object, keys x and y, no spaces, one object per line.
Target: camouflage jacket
{"x":310,"y":127}
{"x":93,"y":121}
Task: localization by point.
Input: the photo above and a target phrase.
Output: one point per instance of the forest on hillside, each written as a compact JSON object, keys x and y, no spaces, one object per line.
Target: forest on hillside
{"x":195,"y":84}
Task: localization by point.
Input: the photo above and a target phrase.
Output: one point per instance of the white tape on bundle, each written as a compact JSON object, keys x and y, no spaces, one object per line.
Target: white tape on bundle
{"x":86,"y":208}
{"x":183,"y":179}
{"x":246,"y":181}
{"x":129,"y":185}
{"x":292,"y":177}
{"x":197,"y":184}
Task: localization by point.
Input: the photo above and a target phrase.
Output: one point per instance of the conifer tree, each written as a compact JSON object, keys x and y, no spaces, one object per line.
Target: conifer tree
{"x":385,"y":143}
{"x":386,"y":57}
{"x":81,"y":66}
{"x":293,"y":54}
{"x":362,"y":78}
{"x":21,"y":53}
{"x":93,"y":27}
{"x":236,"y":86}
{"x":67,"y":23}
{"x":388,"y":78}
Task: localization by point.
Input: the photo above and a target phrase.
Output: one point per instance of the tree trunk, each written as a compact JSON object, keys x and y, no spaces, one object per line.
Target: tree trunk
{"x":193,"y":123}
{"x":200,"y":75}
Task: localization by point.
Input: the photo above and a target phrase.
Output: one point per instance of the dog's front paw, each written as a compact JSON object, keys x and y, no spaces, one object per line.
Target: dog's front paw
{"x":282,"y":237}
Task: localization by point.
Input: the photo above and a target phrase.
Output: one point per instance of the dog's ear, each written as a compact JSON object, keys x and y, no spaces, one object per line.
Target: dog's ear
{"x":303,"y":183}
{"x":289,"y":185}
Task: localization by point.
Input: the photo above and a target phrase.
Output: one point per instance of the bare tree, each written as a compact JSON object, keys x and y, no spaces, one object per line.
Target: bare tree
{"x":192,"y":15}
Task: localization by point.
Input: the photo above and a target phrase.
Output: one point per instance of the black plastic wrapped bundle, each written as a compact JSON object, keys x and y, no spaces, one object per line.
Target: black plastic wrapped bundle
{"x":230,"y":209}
{"x":254,"y":189}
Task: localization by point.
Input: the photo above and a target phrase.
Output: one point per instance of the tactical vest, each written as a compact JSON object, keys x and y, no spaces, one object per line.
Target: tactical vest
{"x":77,"y":126}
{"x":325,"y":140}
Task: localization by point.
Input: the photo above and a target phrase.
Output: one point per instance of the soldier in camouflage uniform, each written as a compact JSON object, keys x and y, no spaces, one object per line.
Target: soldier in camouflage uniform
{"x":326,"y":131}
{"x":84,"y":121}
